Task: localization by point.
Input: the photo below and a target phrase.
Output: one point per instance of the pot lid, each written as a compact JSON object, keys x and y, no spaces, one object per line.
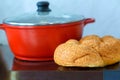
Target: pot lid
{"x":43,"y":16}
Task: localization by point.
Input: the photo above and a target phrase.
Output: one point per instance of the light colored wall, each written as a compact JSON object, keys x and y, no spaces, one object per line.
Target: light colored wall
{"x":106,"y":13}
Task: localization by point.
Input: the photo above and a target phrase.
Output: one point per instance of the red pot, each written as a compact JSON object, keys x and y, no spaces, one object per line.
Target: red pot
{"x":35,"y":40}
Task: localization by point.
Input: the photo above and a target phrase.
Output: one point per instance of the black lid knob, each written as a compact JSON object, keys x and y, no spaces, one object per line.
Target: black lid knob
{"x":43,"y":6}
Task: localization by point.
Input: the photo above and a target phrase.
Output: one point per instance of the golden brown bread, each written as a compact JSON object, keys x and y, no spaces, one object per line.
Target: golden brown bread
{"x":90,"y":51}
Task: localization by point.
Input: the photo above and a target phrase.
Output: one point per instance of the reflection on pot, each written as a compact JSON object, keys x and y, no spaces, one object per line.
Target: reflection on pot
{"x":31,"y":65}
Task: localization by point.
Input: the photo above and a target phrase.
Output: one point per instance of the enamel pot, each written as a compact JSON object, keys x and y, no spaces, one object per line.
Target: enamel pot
{"x":34,"y":36}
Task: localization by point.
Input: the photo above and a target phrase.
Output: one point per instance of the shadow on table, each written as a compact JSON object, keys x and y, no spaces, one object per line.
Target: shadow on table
{"x":33,"y":65}
{"x":50,"y":65}
{"x":110,"y":67}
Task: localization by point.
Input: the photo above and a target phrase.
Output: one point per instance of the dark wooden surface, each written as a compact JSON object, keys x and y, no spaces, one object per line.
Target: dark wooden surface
{"x":48,"y":70}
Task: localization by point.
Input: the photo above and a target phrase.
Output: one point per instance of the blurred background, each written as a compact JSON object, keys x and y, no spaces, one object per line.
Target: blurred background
{"x":105,"y":12}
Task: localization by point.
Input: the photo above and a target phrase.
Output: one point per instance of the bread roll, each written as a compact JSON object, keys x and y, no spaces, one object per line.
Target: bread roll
{"x":90,"y":51}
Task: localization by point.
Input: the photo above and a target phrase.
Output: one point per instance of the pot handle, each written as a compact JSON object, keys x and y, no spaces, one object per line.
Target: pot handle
{"x":1,"y":26}
{"x":89,"y":20}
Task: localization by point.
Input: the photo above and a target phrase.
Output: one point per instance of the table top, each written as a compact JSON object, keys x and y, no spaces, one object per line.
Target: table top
{"x":25,"y":69}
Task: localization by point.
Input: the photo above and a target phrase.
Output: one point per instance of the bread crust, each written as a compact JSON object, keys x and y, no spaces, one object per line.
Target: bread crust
{"x":90,"y":51}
